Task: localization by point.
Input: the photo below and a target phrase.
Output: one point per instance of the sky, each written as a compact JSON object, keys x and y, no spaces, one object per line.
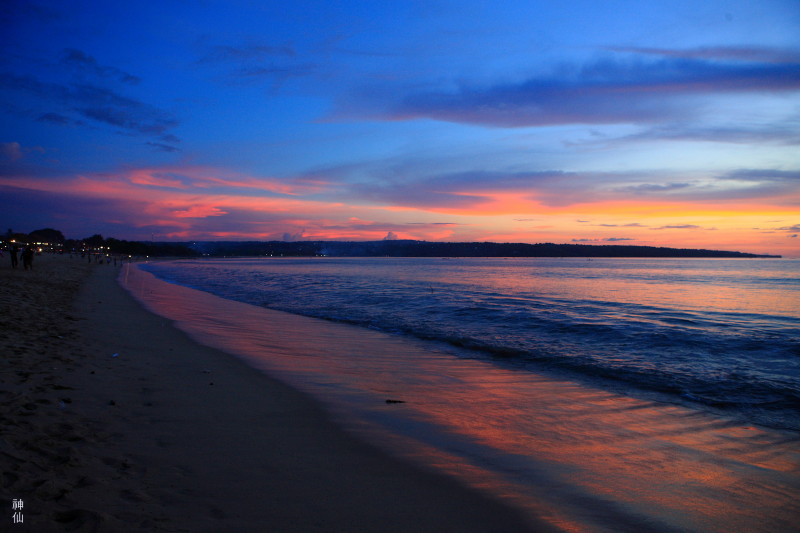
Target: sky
{"x":658,"y":123}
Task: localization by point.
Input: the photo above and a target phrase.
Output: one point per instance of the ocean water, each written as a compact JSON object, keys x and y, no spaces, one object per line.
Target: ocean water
{"x":599,"y":396}
{"x":723,"y":334}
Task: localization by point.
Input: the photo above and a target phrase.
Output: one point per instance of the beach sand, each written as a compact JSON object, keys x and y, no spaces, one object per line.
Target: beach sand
{"x":113,"y":420}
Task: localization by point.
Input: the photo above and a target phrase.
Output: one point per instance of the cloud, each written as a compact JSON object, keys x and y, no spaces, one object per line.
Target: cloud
{"x":14,"y":12}
{"x":95,"y":103}
{"x":106,"y":106}
{"x":607,"y":239}
{"x":256,"y":63}
{"x":86,"y":63}
{"x":14,"y":151}
{"x":732,"y":53}
{"x":647,"y":188}
{"x":606,"y":91}
{"x":163,"y":147}
{"x":780,"y":133}
{"x":519,"y":192}
{"x":200,"y":211}
{"x":794,"y":228}
{"x":463,"y":190}
{"x":294,"y":236}
{"x":11,"y":151}
{"x":681,"y":226}
{"x":631,"y":225}
{"x":411,"y":194}
{"x":57,"y":118}
{"x":390,"y":236}
{"x":249,"y":52}
{"x":764,"y":174}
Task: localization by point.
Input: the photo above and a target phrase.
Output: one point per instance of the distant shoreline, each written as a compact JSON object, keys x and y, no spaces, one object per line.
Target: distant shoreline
{"x":411,"y":248}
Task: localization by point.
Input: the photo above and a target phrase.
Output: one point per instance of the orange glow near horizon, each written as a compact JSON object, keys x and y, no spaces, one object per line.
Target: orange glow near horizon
{"x":243,"y":207}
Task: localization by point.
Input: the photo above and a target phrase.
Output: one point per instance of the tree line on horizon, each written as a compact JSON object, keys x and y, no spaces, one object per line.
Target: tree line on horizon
{"x":384,"y":248}
{"x":56,"y":242}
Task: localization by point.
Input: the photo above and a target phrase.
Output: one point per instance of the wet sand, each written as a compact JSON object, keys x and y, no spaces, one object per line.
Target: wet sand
{"x":114,"y":420}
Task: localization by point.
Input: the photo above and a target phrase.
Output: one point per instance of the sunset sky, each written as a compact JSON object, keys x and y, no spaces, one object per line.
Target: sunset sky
{"x":664,"y":123}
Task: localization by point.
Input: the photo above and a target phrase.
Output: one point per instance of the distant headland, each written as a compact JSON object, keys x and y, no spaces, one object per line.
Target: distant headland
{"x":52,"y":240}
{"x":411,"y":248}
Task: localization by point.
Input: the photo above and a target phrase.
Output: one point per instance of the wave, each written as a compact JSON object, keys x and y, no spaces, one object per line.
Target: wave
{"x":737,"y":361}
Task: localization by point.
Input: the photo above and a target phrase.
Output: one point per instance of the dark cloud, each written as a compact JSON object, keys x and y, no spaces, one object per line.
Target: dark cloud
{"x":631,"y":225}
{"x":646,"y":188}
{"x":163,"y":147}
{"x":434,"y":223}
{"x":225,"y":53}
{"x":95,"y":103}
{"x":58,"y":118}
{"x":735,"y":53}
{"x":681,"y":226}
{"x":88,"y":64}
{"x":12,"y":12}
{"x":275,"y":75}
{"x":790,"y":229}
{"x":604,"y":92}
{"x":764,"y":174}
{"x":780,"y":133}
{"x":250,"y":64}
{"x":607,"y":239}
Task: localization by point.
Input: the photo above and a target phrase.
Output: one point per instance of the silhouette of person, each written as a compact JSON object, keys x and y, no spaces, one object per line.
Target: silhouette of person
{"x":27,"y":258}
{"x":14,"y":260}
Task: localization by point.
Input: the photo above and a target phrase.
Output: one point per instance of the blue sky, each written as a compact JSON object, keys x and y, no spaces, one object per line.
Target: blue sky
{"x":657,"y":123}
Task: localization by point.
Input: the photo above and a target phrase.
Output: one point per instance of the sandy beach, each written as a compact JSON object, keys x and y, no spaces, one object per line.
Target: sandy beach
{"x":113,"y":420}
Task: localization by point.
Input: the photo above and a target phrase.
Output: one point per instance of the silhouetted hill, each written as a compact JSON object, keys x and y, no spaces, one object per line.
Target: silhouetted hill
{"x":409,"y":248}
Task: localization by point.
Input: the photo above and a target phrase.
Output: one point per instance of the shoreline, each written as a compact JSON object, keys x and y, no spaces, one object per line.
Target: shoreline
{"x":583,"y":458}
{"x":120,"y":422}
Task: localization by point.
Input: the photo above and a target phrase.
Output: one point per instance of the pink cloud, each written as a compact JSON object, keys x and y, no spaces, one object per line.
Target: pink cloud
{"x":199,"y":211}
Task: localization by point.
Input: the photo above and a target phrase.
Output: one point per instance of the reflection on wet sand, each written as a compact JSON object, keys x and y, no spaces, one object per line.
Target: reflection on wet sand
{"x":583,"y":458}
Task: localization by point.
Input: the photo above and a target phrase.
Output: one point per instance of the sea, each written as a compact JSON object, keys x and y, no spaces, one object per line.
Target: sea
{"x":718,"y":333}
{"x":603,"y":394}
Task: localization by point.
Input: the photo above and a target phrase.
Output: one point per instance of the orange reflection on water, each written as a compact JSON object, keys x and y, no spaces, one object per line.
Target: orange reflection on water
{"x":583,"y":458}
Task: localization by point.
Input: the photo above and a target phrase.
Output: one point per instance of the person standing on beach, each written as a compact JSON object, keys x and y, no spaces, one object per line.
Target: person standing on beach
{"x":14,"y":260}
{"x":27,"y":258}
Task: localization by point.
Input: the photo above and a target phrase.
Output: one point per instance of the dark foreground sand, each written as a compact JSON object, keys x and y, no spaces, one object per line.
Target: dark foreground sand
{"x":113,"y":420}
